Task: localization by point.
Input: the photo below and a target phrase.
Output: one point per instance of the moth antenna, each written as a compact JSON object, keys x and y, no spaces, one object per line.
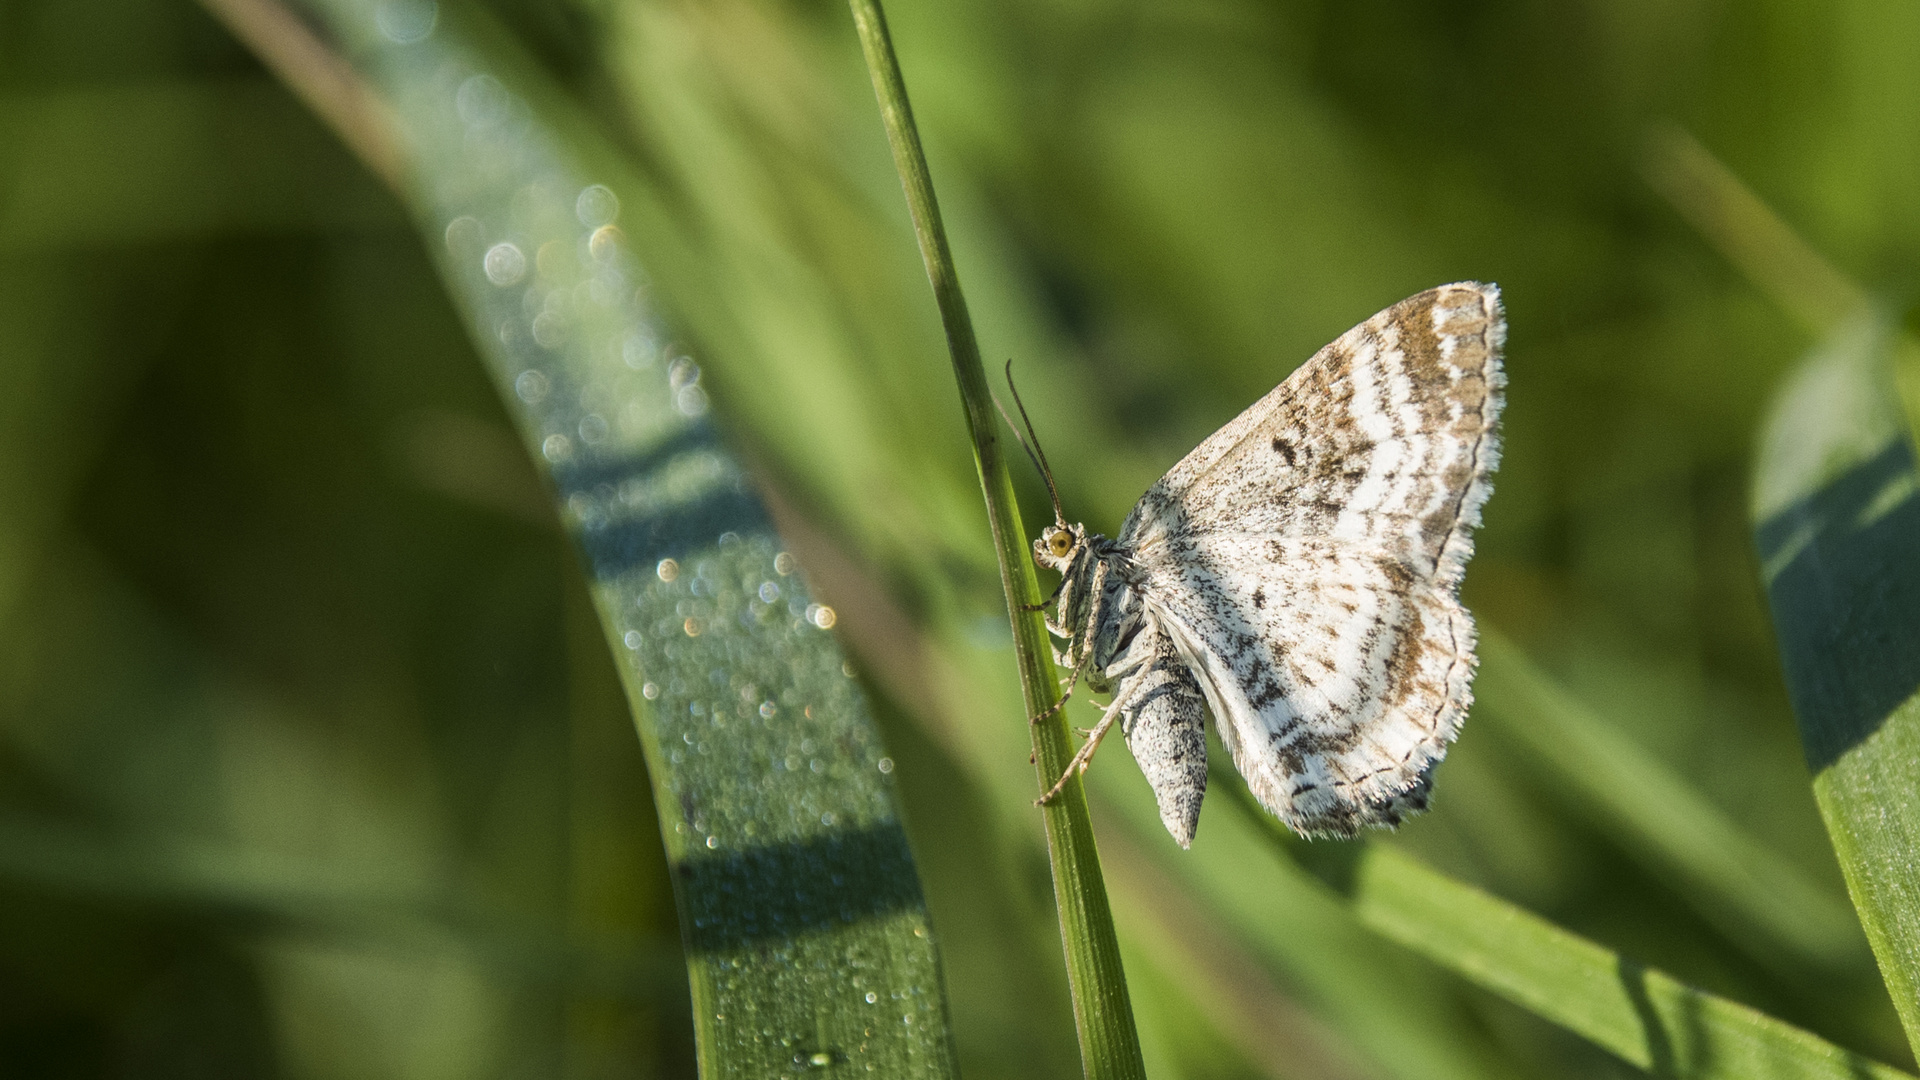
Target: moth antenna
{"x":1031,"y":444}
{"x":1022,"y":440}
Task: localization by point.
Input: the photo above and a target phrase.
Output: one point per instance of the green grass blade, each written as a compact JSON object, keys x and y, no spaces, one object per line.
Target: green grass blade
{"x":807,"y":938}
{"x":1834,"y":516}
{"x":300,"y":899}
{"x":1640,"y":1014}
{"x":1391,"y":1007}
{"x":1762,"y":901}
{"x":1646,"y":1017}
{"x":1835,"y":519}
{"x":1109,"y":1044}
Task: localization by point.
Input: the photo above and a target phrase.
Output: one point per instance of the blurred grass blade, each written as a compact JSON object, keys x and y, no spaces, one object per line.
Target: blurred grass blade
{"x":1646,"y":1017}
{"x":807,"y":937}
{"x":1760,"y":900}
{"x":249,"y":890}
{"x":1216,"y":973}
{"x":1836,"y":520}
{"x":1391,"y":1007}
{"x":1103,"y":1014}
{"x":1746,"y":230}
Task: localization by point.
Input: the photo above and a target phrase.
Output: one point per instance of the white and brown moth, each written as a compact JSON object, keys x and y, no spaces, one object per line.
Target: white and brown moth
{"x":1298,"y":576}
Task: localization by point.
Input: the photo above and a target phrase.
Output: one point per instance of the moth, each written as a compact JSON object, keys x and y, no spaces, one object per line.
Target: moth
{"x":1297,"y":576}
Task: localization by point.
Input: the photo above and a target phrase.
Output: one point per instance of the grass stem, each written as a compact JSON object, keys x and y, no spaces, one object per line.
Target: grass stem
{"x":1103,"y":1014}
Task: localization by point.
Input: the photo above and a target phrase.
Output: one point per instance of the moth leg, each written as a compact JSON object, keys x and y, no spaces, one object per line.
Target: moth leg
{"x":1067,"y":692}
{"x":1085,"y":732}
{"x":1114,"y":711}
{"x":1095,"y":608}
{"x":1051,"y":597}
{"x":1080,"y":760}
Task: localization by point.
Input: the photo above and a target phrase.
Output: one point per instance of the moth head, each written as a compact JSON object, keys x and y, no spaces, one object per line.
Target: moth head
{"x":1056,"y":545}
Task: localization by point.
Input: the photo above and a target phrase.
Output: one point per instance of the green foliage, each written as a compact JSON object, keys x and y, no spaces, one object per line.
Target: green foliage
{"x":1102,"y":1010}
{"x":1646,"y":1017}
{"x":1765,"y":903}
{"x":312,"y":759}
{"x":1835,"y":511}
{"x":806,"y":933}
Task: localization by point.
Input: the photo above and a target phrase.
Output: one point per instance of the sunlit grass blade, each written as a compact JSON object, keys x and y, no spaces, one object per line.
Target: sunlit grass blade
{"x":1103,"y":1016}
{"x":1834,"y":518}
{"x":1763,"y":902}
{"x":1836,"y":512}
{"x":1643,"y":1016}
{"x":807,"y":937}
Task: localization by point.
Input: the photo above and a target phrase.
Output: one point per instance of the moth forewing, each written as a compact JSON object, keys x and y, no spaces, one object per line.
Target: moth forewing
{"x":1298,"y":573}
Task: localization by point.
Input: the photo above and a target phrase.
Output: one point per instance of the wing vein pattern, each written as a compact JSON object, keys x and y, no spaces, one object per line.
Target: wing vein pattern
{"x":1304,"y":563}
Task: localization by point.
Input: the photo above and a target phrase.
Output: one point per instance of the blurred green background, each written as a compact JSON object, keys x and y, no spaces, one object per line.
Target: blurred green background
{"x":312,"y":761}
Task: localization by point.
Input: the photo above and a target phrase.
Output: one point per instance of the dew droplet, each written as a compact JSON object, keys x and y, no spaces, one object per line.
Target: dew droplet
{"x":405,"y":22}
{"x":504,"y":263}
{"x":640,"y":351}
{"x":550,"y":329}
{"x":550,"y":260}
{"x":481,"y":101}
{"x":605,"y":243}
{"x":596,"y":206}
{"x":532,"y":387}
{"x":465,"y":235}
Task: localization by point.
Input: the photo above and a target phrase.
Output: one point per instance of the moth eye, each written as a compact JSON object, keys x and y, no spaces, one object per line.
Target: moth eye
{"x":1061,"y":544}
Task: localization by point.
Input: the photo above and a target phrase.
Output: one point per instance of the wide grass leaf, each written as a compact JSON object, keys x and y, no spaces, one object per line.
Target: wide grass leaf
{"x":808,"y":944}
{"x":1838,"y":527}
